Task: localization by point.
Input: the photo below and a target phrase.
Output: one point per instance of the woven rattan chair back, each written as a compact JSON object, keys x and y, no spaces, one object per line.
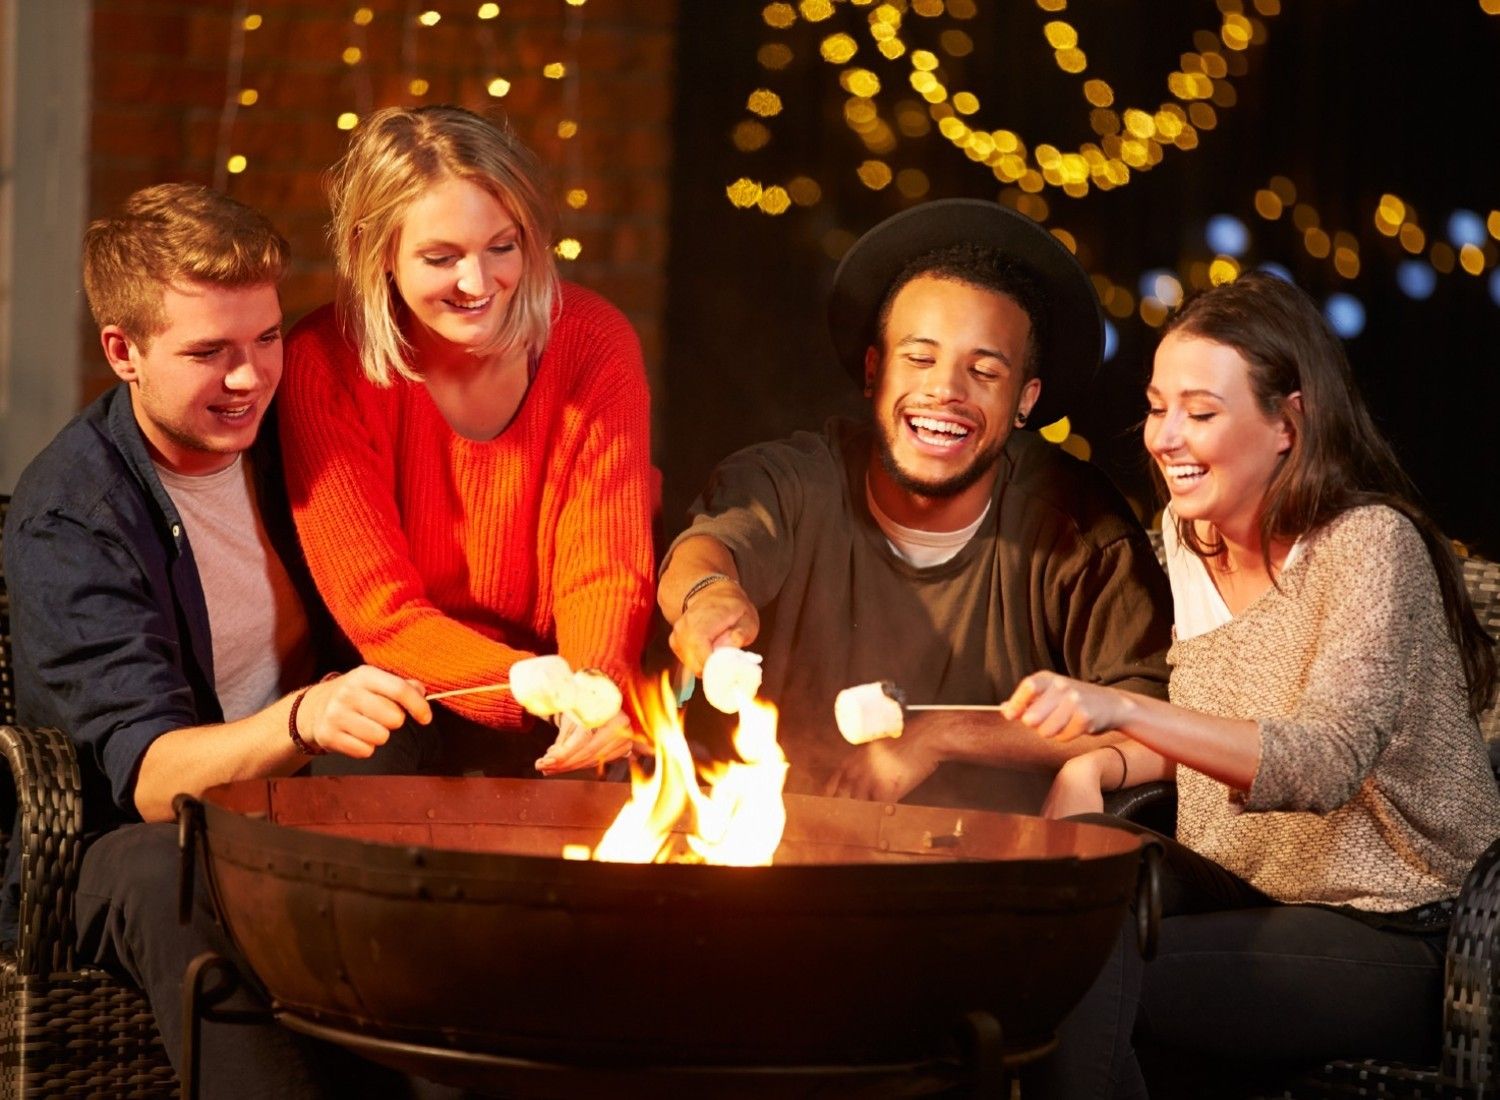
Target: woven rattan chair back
{"x":65,"y":1030}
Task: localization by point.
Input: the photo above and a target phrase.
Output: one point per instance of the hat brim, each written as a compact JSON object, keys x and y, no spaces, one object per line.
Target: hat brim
{"x":1074,"y":326}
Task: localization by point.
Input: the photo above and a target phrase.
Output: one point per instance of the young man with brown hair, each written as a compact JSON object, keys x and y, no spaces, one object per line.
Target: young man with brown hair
{"x":162,"y":614}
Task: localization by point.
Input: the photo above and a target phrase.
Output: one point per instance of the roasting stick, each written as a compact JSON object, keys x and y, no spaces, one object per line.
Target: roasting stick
{"x":953,"y":706}
{"x":469,"y":691}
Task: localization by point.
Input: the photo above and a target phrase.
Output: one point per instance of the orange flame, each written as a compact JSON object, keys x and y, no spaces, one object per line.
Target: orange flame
{"x":735,"y":818}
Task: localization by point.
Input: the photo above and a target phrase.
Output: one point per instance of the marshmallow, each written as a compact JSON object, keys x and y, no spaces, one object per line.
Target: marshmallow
{"x":543,"y":685}
{"x":594,"y":698}
{"x":869,"y":711}
{"x":731,"y":677}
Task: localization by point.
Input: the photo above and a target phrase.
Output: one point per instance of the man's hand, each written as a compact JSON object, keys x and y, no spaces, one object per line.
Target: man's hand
{"x":886,"y":770}
{"x":577,"y":746}
{"x":1062,"y":709}
{"x":354,"y":714}
{"x":720,"y":615}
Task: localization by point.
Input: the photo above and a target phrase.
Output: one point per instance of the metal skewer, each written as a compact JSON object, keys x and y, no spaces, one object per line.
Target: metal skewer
{"x":954,"y":706}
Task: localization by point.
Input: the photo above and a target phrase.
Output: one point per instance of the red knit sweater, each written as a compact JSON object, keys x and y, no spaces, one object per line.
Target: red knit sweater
{"x":446,"y":560}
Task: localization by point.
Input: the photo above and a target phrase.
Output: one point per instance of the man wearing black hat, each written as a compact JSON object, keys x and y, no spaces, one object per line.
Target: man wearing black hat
{"x":935,"y":547}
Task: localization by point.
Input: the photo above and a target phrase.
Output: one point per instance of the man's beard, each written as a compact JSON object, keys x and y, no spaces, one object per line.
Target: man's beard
{"x":983,"y":463}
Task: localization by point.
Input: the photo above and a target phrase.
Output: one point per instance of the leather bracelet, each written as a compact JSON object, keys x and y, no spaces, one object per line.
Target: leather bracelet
{"x":303,"y":747}
{"x":700,"y":584}
{"x":1124,"y":769}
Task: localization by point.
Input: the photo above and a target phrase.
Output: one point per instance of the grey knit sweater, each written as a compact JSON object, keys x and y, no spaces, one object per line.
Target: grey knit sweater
{"x":1374,"y":788}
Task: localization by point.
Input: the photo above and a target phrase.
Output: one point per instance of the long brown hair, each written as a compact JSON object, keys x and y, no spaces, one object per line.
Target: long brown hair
{"x":1338,"y":459}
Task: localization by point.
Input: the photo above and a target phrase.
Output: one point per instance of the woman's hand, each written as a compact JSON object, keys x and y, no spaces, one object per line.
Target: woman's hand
{"x":1063,"y":709}
{"x":353,"y":714}
{"x":1078,"y":787}
{"x":577,"y":746}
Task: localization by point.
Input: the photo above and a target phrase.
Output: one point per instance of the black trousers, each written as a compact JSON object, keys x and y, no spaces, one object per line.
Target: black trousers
{"x":1238,"y":980}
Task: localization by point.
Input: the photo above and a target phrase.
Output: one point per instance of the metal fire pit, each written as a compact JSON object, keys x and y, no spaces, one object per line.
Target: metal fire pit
{"x":432,"y":924}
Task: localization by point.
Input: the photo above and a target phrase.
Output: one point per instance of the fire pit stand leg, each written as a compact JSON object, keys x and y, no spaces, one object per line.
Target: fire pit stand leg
{"x":981,"y":1037}
{"x":199,"y":999}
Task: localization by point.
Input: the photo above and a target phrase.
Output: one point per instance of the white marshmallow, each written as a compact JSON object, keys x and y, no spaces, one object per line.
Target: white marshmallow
{"x":543,"y":685}
{"x":594,"y":698}
{"x":866,"y":712}
{"x":731,"y":678}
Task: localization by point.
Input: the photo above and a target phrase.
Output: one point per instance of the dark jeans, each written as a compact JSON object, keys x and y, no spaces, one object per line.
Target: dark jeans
{"x":126,"y":921}
{"x":1240,"y":977}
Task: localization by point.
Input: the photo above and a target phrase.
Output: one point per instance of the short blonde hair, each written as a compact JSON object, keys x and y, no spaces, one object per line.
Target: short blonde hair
{"x":393,"y":157}
{"x":174,"y":233}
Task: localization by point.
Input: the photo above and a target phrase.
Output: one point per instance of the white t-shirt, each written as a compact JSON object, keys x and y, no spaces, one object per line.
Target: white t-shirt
{"x":921,"y":548}
{"x":261,"y":644}
{"x":1197,"y":606}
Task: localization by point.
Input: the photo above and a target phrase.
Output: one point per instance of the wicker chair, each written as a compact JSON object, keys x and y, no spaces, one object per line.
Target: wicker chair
{"x":1470,"y":1066}
{"x":65,"y":1030}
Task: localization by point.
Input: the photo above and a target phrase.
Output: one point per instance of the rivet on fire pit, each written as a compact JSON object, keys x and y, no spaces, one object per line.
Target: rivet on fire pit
{"x":431,"y":814}
{"x":890,"y":809}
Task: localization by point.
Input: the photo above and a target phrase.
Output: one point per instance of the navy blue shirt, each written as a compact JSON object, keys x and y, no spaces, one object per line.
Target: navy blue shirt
{"x":108,"y":616}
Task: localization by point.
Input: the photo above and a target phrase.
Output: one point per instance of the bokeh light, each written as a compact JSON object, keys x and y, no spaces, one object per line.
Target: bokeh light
{"x":1346,"y":314}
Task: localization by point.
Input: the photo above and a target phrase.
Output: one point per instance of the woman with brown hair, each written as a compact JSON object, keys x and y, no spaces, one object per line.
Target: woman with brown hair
{"x":467,"y":437}
{"x":1326,"y":676}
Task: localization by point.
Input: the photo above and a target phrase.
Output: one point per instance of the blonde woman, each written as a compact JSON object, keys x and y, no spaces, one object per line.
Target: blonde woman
{"x":467,"y":437}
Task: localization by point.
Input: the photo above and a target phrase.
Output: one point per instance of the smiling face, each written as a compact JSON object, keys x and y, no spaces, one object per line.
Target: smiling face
{"x":201,"y":387}
{"x":947,"y":386}
{"x":1216,"y":447}
{"x":457,"y":262}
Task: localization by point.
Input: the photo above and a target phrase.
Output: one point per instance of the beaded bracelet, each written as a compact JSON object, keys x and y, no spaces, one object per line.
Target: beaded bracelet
{"x":700,"y":584}
{"x":303,"y":747}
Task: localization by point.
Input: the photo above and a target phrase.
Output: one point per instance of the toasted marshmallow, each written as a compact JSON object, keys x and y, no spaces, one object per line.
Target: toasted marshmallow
{"x":731,"y":678}
{"x":594,"y":698}
{"x":543,"y":685}
{"x":867,"y":712}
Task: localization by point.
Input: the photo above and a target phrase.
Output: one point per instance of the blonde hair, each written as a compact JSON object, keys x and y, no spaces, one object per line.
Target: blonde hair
{"x":172,"y":233}
{"x":395,"y":155}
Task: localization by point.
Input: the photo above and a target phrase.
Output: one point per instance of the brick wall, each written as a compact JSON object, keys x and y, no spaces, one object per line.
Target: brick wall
{"x":161,"y":73}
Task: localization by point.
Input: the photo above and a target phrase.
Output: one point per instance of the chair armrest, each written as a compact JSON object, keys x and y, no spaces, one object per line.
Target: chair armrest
{"x":49,"y":835}
{"x":1471,"y":1007}
{"x":1146,"y":800}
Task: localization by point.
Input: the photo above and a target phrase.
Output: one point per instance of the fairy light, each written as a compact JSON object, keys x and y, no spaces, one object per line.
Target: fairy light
{"x":577,"y":198}
{"x":554,"y":70}
{"x":225,"y":164}
{"x":419,"y":87}
{"x":429,"y":18}
{"x":567,"y":128}
{"x":568,"y":248}
{"x":363,"y":17}
{"x":248,"y":97}
{"x":488,"y":11}
{"x":348,"y":120}
{"x":498,"y":88}
{"x":352,"y":55}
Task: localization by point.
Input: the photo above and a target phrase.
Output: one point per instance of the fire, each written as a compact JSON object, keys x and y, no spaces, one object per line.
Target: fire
{"x":735,"y":816}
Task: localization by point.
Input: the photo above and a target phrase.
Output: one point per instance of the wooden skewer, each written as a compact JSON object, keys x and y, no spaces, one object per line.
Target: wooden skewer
{"x":468,"y":691}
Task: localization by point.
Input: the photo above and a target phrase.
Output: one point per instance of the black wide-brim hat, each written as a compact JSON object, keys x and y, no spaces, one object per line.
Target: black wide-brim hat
{"x":1072,"y":325}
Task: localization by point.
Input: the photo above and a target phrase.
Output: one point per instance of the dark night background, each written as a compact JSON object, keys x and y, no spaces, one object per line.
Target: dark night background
{"x":1348,"y":100}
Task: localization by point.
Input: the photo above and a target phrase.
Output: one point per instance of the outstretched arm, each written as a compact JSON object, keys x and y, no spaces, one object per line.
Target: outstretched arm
{"x":352,"y":714}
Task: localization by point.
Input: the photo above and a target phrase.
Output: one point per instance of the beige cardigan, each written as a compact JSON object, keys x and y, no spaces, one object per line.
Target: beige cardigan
{"x":1374,"y":788}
